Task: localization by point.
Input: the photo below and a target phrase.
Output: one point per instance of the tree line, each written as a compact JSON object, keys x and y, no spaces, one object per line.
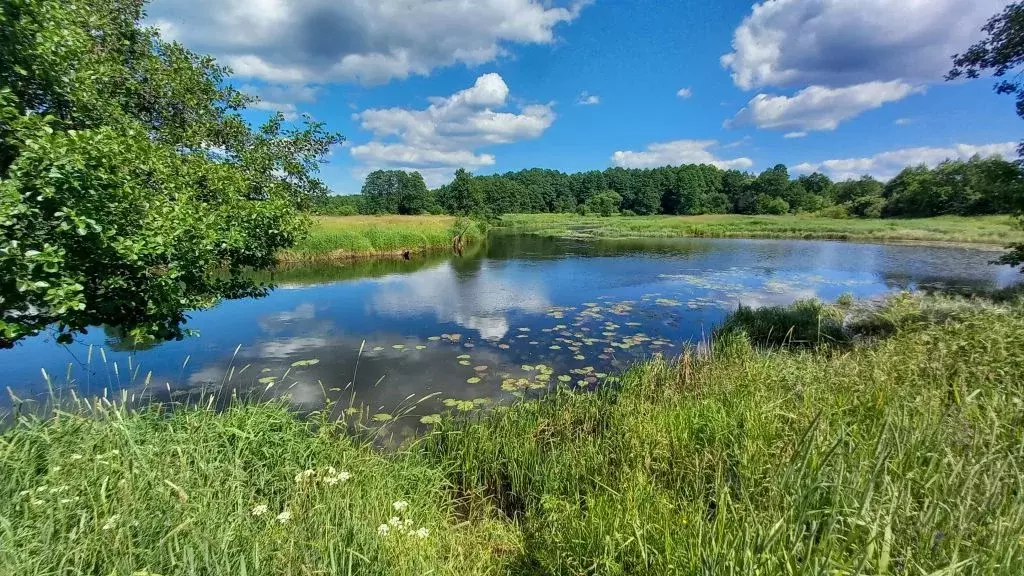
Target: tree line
{"x":954,"y":187}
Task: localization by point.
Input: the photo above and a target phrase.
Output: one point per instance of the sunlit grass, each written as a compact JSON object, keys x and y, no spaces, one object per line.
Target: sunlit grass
{"x":895,"y":449}
{"x":973,"y":229}
{"x":338,"y":237}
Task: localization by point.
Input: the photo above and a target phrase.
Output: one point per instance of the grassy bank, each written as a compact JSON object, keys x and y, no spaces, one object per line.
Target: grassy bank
{"x":978,"y":229}
{"x":891,"y":446}
{"x":346,"y":237}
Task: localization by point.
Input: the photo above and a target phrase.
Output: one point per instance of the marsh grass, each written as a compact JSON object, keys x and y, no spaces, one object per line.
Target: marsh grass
{"x":343,"y":237}
{"x":902,"y":456}
{"x":899,"y":454}
{"x":998,"y":230}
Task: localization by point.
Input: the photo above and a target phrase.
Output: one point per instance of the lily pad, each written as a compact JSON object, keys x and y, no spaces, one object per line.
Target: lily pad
{"x":473,"y":380}
{"x":382,"y":417}
{"x":463,"y":357}
{"x":434,"y":338}
{"x":421,"y":347}
{"x":480,"y":368}
{"x":465,"y":362}
{"x":431,"y":419}
{"x":268,"y":380}
{"x":564,"y":378}
{"x":309,"y":362}
{"x":399,"y":346}
{"x":554,"y":347}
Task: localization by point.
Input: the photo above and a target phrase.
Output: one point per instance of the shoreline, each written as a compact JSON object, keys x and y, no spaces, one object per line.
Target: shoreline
{"x":732,"y":453}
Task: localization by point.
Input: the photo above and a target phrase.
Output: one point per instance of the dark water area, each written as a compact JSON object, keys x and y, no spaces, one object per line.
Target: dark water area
{"x":468,"y":331}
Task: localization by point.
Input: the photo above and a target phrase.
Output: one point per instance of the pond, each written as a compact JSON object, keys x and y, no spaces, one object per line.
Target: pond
{"x":519,"y":316}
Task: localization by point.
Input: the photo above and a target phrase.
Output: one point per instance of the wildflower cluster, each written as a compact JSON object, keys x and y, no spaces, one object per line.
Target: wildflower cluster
{"x":329,"y":476}
{"x":401,"y":524}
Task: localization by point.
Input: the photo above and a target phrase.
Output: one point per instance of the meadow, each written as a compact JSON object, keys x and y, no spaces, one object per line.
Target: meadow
{"x":964,"y":229}
{"x":346,"y":237}
{"x":812,"y":439}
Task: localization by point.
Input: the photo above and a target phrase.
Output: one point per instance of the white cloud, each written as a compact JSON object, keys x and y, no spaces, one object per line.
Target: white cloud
{"x":794,"y":43}
{"x":367,"y":41}
{"x":887,"y":164}
{"x":281,"y":98}
{"x":685,"y":93}
{"x":587,"y":99}
{"x":819,"y":108}
{"x":904,"y":121}
{"x":437,"y":140}
{"x":677,"y":153}
{"x":792,"y":135}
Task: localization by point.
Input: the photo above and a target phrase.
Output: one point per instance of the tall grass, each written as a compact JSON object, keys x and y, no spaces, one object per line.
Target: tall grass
{"x":898,"y":453}
{"x":903,"y":456}
{"x":340,"y":237}
{"x":975,"y":229}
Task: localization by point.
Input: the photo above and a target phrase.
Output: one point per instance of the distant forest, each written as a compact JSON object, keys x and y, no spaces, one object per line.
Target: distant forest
{"x":972,"y":187}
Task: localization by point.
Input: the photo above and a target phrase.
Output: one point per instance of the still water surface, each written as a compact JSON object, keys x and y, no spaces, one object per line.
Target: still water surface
{"x":476,"y":327}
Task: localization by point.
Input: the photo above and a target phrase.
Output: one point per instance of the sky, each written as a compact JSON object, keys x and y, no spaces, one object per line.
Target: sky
{"x":844,"y":87}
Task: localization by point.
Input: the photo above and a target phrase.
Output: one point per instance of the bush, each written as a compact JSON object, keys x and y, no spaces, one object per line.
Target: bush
{"x":839,"y":212}
{"x":604,"y":203}
{"x":765,"y":204}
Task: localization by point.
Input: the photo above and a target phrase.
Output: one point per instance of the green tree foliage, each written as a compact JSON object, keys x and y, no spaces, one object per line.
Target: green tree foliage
{"x":604,"y":203}
{"x":765,"y":204}
{"x":341,"y":205}
{"x":463,"y":197}
{"x":976,"y":186}
{"x":131,"y":189}
{"x":396,"y":192}
{"x":1001,"y":53}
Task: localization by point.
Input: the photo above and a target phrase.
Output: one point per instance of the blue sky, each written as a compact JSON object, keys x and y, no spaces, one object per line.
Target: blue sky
{"x":846,"y":87}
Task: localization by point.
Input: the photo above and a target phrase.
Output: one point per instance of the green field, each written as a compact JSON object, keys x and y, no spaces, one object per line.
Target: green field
{"x":891,"y":443}
{"x":343,"y":237}
{"x":967,"y":229}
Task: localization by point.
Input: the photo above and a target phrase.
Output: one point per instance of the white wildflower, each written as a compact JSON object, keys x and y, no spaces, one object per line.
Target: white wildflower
{"x":383,"y":530}
{"x":407,"y":524}
{"x":304,"y":476}
{"x":395,"y":522}
{"x":423,"y":533}
{"x":331,"y":471}
{"x":331,"y":480}
{"x":259,"y":510}
{"x":111,"y":522}
{"x":400,"y":506}
{"x":284,"y":516}
{"x":344,"y":476}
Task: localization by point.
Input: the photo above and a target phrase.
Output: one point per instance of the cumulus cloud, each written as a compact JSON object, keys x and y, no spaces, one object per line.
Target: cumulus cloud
{"x":281,"y":98}
{"x":833,"y":43}
{"x":587,"y":99}
{"x":887,"y":164}
{"x":366,"y":41}
{"x":437,"y":140}
{"x":819,"y":108}
{"x":685,"y":93}
{"x":676,"y":153}
{"x":793,"y":135}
